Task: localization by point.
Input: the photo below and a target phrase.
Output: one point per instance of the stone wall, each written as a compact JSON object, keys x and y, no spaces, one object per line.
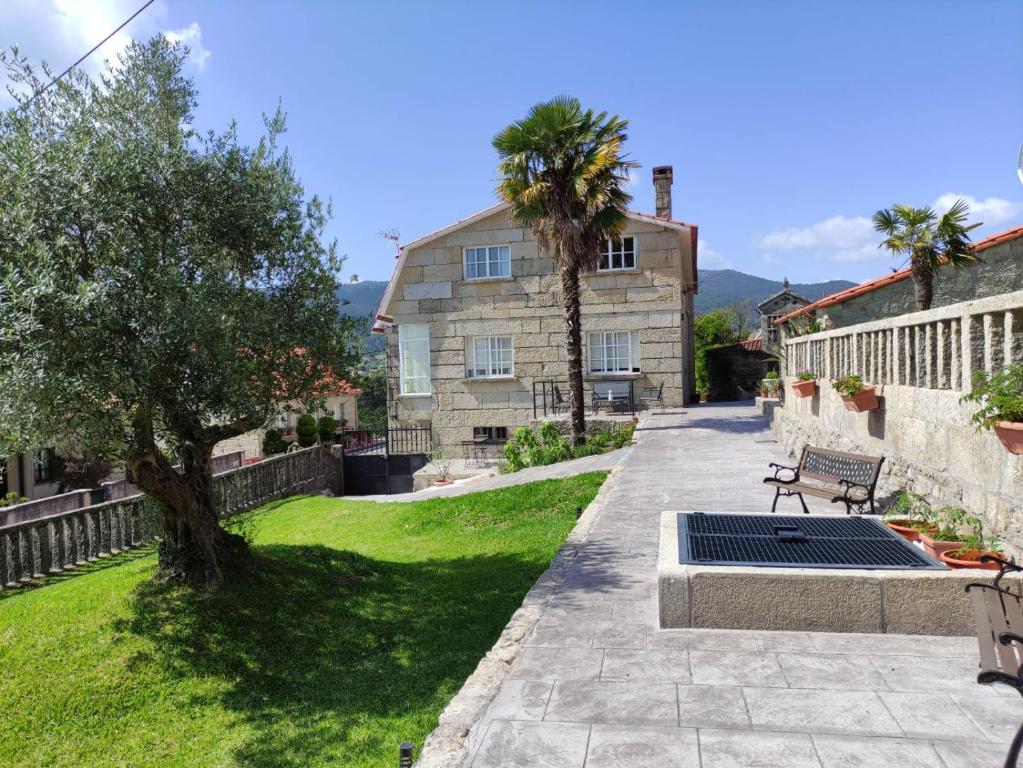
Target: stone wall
{"x":999,"y":270}
{"x":921,"y":364}
{"x":527,"y":307}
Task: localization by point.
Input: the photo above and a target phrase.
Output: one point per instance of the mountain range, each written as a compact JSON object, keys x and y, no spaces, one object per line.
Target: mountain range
{"x":718,"y":288}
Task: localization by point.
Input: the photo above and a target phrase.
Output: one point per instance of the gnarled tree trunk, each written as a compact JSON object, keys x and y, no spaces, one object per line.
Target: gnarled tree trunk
{"x":194,"y":544}
{"x":923,"y":279}
{"x":573,"y":322}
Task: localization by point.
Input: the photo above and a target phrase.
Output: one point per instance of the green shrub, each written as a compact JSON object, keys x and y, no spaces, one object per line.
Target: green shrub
{"x":623,"y":436}
{"x":806,"y":376}
{"x":306,"y":430}
{"x":273,"y":443}
{"x":11,"y":499}
{"x":771,"y":375}
{"x":1000,"y":396}
{"x":327,"y":428}
{"x":847,"y":386}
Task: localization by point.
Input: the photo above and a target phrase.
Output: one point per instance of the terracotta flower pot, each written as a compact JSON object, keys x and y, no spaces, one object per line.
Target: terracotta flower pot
{"x":864,"y":400}
{"x":804,"y":388}
{"x":969,"y":559}
{"x":935,"y":547}
{"x":442,"y":482}
{"x":907,"y":532}
{"x":1010,"y":433}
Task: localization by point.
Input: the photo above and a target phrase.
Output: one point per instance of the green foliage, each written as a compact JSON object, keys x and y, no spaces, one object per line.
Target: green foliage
{"x":373,"y":400}
{"x":806,"y":376}
{"x":326,"y":427}
{"x":847,"y":386}
{"x":803,"y":326}
{"x":306,"y":430}
{"x":273,"y":443}
{"x":717,"y":328}
{"x":955,"y":523}
{"x":362,"y":622}
{"x":529,"y":448}
{"x":11,"y":498}
{"x":1000,"y":396}
{"x":773,"y":375}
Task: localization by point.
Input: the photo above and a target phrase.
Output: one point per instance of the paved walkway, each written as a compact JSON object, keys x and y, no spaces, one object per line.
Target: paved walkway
{"x":598,"y":685}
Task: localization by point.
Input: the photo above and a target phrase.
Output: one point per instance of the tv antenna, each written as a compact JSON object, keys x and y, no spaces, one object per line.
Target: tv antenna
{"x":392,"y":235}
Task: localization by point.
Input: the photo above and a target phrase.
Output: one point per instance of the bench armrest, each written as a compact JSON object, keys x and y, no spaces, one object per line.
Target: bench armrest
{"x":848,"y":485}
{"x":1004,"y":566}
{"x":779,"y":468}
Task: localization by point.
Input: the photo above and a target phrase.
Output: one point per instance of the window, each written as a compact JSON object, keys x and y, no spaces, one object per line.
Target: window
{"x":44,"y":466}
{"x":614,"y":352}
{"x":414,"y":359}
{"x":490,"y":356}
{"x":617,"y":255}
{"x":490,"y":434}
{"x":485,"y":262}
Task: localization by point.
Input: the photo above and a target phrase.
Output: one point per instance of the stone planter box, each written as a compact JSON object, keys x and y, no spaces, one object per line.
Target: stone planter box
{"x":864,"y":400}
{"x":804,"y":388}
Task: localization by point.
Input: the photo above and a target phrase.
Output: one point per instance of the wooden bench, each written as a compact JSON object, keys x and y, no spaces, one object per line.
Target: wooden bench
{"x":999,"y":615}
{"x":849,"y":478}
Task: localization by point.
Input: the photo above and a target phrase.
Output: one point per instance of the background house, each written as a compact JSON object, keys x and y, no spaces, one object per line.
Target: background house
{"x":32,"y":475}
{"x":474,"y":321}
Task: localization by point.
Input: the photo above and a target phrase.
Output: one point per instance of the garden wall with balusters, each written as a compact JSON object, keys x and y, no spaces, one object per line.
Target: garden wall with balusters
{"x":46,"y":546}
{"x":921,"y":364}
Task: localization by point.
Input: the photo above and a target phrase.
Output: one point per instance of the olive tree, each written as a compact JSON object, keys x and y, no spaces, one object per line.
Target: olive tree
{"x":161,"y":289}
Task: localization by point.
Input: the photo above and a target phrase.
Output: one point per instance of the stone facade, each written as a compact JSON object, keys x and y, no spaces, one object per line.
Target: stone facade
{"x":429,"y":287}
{"x":774,"y":307}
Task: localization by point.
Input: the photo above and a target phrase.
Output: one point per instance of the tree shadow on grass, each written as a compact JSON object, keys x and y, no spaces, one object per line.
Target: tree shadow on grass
{"x":330,"y":657}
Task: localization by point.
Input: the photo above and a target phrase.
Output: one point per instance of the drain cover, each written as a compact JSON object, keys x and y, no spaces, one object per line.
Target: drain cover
{"x":800,"y":542}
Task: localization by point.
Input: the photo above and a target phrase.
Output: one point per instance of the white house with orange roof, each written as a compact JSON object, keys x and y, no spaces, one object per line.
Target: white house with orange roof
{"x":476,"y":333}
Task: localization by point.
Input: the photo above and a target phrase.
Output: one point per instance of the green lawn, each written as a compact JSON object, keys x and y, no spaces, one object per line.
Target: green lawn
{"x":354,"y":629}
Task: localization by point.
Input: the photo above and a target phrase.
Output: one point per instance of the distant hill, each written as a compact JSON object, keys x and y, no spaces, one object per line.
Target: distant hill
{"x":718,"y":288}
{"x":721,"y":287}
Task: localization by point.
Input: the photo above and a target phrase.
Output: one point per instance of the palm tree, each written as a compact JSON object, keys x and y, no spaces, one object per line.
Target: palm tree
{"x":929,"y":240}
{"x":562,"y":171}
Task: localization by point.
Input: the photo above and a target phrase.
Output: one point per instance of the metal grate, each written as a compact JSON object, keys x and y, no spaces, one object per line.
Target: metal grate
{"x":800,"y":542}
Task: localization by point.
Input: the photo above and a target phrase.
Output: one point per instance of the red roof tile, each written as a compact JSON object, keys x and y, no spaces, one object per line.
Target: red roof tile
{"x":894,"y":277}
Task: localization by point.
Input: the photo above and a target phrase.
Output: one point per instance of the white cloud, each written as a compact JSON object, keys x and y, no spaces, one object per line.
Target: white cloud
{"x":990,"y":210}
{"x":191,"y":36}
{"x":838,"y":238}
{"x":709,"y":258}
{"x":60,"y":31}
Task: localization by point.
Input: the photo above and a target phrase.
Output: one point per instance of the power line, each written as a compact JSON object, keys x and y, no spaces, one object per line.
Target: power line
{"x":91,"y":51}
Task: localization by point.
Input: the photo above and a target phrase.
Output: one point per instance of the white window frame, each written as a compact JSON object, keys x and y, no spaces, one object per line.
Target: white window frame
{"x":493,"y":363}
{"x":625,"y":361}
{"x":414,"y":339}
{"x":609,"y":250}
{"x":487,"y":262}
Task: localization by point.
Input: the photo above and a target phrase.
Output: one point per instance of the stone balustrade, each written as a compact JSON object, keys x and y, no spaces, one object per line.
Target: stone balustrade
{"x":46,"y":546}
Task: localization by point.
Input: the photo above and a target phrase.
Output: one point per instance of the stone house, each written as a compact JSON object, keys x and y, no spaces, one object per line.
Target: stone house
{"x":775,"y":307}
{"x":474,"y":323}
{"x":999,"y":269}
{"x":32,"y":475}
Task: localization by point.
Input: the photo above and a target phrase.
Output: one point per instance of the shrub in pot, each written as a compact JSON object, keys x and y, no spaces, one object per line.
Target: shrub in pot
{"x":856,"y":395}
{"x":306,"y":430}
{"x":1001,"y":405}
{"x":770,"y":384}
{"x":949,"y":536}
{"x":805,"y":384}
{"x":443,"y":464}
{"x":974,"y":547}
{"x":910,"y":515}
{"x":327,"y":429}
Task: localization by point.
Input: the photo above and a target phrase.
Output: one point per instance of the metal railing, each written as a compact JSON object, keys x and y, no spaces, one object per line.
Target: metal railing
{"x":386,"y":441}
{"x":553,"y":398}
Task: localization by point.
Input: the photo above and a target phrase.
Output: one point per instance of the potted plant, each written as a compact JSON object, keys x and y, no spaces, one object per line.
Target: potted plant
{"x":856,"y":395}
{"x":443,"y":465}
{"x":1001,"y":405}
{"x":805,"y":384}
{"x":910,"y":516}
{"x":770,"y":384}
{"x":975,"y":545}
{"x":948,"y":535}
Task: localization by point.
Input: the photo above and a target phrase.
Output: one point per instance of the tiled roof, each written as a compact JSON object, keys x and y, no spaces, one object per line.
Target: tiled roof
{"x":752,"y":345}
{"x":894,"y":277}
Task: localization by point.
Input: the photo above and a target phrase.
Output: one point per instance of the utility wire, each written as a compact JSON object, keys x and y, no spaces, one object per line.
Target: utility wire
{"x":91,"y":51}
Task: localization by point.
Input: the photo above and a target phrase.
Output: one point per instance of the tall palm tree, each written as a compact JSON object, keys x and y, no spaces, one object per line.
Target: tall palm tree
{"x":563,"y":172}
{"x":929,"y":240}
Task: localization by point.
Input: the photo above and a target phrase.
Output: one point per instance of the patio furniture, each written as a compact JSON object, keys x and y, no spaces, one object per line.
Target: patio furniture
{"x":999,"y":615}
{"x":649,"y":396}
{"x":558,"y":403}
{"x":474,"y":452}
{"x":849,"y":478}
{"x":613,"y":394}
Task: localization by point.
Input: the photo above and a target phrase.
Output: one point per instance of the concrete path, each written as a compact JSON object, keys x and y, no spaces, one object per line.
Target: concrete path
{"x":597,"y":684}
{"x":492,"y":479}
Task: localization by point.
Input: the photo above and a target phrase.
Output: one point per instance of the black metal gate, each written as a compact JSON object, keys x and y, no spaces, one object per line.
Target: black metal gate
{"x":382,"y":461}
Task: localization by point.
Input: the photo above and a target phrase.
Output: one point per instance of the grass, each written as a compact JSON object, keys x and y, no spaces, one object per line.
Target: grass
{"x":350,"y":633}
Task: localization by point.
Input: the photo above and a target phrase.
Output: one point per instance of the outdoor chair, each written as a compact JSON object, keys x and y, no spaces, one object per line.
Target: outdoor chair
{"x":849,"y":478}
{"x":649,"y":396}
{"x":559,"y":402}
{"x":999,"y":615}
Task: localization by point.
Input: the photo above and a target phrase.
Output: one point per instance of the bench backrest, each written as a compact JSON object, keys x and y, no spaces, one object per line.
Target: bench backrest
{"x":997,"y":611}
{"x":616,"y":388}
{"x":831,"y":466}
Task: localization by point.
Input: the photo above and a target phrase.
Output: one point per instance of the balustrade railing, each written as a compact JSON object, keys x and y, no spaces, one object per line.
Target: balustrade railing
{"x":935,"y":349}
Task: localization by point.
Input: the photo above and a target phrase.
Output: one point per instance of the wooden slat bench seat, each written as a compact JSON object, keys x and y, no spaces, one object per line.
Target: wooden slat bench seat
{"x":849,"y":478}
{"x":999,"y":615}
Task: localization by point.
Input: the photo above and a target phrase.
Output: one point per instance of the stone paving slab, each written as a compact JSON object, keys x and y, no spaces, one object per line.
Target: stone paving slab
{"x":596,"y":683}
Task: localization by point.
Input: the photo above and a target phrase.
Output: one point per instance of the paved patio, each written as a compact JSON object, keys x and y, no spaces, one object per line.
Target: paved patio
{"x":597,"y":684}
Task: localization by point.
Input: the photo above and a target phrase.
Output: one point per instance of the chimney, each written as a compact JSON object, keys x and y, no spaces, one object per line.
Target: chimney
{"x":662,"y":191}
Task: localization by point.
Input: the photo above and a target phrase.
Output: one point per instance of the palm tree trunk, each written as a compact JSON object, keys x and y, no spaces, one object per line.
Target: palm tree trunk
{"x":923,"y":278}
{"x":573,"y":323}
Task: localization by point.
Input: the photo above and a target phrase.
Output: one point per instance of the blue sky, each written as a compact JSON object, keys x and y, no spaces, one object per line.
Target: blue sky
{"x":787,"y":124}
